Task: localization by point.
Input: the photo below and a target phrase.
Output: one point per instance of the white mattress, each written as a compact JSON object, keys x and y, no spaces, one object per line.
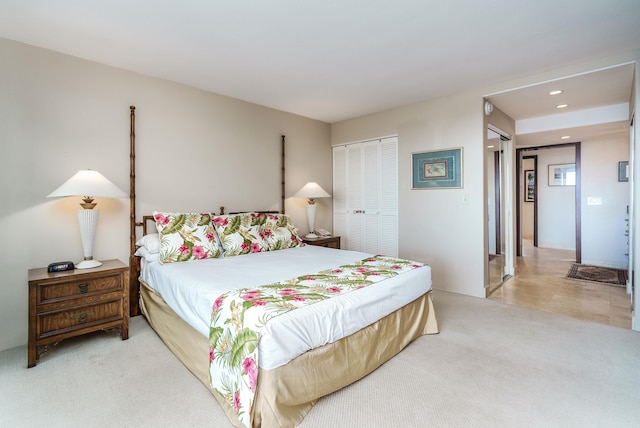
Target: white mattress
{"x":190,"y":289}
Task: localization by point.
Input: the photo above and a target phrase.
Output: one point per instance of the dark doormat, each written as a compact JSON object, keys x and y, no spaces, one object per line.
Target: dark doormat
{"x":605,"y":275}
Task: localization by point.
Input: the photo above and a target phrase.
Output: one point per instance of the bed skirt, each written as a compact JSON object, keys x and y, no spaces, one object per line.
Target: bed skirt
{"x":285,"y":394}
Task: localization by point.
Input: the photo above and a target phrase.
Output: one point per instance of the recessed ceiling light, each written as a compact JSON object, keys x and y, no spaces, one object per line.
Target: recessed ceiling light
{"x":565,"y":137}
{"x":555,"y":92}
{"x":562,"y":105}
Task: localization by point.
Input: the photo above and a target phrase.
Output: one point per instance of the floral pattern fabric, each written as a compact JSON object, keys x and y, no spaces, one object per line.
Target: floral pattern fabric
{"x":185,"y":236}
{"x":239,"y":315}
{"x":240,"y":233}
{"x":279,"y":233}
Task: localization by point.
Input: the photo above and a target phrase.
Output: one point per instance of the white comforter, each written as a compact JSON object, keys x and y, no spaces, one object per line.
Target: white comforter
{"x":190,"y":289}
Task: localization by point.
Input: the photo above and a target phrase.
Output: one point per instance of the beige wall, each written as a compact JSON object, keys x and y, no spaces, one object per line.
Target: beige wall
{"x":195,"y":151}
{"x":436,"y":226}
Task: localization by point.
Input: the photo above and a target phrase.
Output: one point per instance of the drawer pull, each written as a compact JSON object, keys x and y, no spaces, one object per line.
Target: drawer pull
{"x":83,"y":288}
{"x":82,"y":316}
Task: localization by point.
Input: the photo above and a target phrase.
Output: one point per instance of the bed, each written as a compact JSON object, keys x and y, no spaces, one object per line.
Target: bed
{"x":302,"y":351}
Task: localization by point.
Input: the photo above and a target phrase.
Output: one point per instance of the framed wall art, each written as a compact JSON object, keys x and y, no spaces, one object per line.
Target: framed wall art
{"x":529,"y":185}
{"x":562,"y":174}
{"x":439,"y":169}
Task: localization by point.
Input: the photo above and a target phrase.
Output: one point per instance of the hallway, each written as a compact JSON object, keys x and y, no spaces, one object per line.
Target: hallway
{"x":541,"y":284}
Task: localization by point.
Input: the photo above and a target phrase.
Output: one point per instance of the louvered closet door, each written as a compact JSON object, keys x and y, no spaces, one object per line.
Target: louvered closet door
{"x":366,"y":196}
{"x":370,"y":196}
{"x":340,"y":194}
{"x":388,"y":217}
{"x":355,"y":207}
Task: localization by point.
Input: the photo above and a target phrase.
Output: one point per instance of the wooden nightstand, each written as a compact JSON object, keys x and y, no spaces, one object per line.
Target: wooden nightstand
{"x":330,"y":241}
{"x":72,"y":303}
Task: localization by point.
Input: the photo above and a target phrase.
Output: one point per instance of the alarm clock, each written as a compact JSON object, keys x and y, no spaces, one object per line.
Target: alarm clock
{"x":60,"y":267}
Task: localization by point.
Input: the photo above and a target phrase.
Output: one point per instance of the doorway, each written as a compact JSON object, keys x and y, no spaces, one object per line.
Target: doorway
{"x":556,"y":222}
{"x":527,"y":211}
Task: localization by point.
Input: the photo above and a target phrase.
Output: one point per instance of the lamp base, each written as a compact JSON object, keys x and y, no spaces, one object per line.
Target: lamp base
{"x":311,"y":235}
{"x":88,"y":220}
{"x":88,"y":264}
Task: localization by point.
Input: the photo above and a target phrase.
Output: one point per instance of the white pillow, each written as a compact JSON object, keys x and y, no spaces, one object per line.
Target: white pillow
{"x":148,"y":256}
{"x":151,"y":242}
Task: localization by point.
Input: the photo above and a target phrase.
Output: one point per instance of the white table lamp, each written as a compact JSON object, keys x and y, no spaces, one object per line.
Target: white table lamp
{"x":84,"y":183}
{"x":311,"y":191}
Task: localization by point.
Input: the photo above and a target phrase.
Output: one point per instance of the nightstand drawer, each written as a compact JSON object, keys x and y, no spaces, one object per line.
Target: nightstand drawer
{"x":333,"y":244}
{"x":327,"y":241}
{"x":65,"y":289}
{"x":54,"y":323}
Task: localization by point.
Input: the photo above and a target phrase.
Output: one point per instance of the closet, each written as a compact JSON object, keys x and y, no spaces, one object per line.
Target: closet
{"x":365,"y":196}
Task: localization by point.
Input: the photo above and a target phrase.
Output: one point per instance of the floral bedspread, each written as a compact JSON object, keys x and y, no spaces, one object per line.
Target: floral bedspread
{"x":239,"y":315}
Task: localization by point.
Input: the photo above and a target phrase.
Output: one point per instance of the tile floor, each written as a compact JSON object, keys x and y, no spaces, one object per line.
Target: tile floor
{"x":541,"y":283}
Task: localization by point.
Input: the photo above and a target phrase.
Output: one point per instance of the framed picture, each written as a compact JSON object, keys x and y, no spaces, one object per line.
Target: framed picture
{"x":562,"y":174}
{"x":623,"y":171}
{"x":440,"y":169}
{"x":529,"y":185}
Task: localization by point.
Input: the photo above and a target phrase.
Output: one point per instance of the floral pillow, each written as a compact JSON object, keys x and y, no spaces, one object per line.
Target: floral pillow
{"x":240,"y":233}
{"x":279,"y":233}
{"x":186,"y":236}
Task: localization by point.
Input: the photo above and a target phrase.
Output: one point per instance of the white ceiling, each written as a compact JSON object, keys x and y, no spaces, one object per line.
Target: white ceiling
{"x":590,"y":98}
{"x":336,"y":59}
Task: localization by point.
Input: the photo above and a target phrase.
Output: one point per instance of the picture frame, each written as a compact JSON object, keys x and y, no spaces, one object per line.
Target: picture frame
{"x":562,"y":174}
{"x":529,"y":185}
{"x":437,"y":169}
{"x":623,"y":171}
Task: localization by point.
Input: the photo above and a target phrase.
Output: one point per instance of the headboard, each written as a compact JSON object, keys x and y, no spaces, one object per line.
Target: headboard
{"x":134,"y":261}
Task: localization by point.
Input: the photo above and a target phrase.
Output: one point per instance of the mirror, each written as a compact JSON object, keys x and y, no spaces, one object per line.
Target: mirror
{"x":498,"y":243}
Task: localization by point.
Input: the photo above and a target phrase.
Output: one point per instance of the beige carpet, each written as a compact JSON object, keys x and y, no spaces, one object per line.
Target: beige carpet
{"x":492,"y":365}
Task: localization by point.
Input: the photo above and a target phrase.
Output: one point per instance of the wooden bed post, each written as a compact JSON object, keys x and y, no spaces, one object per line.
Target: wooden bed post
{"x":134,"y":267}
{"x":132,"y":178}
{"x":282,"y":175}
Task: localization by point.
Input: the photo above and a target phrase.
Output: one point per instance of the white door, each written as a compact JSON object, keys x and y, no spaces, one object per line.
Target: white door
{"x":388,"y":223}
{"x":340,"y":192}
{"x":365,"y":180}
{"x":370,"y":196}
{"x":354,"y":198}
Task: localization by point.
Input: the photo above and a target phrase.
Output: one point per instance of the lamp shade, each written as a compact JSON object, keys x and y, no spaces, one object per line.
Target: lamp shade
{"x":88,"y":183}
{"x":312,"y":191}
